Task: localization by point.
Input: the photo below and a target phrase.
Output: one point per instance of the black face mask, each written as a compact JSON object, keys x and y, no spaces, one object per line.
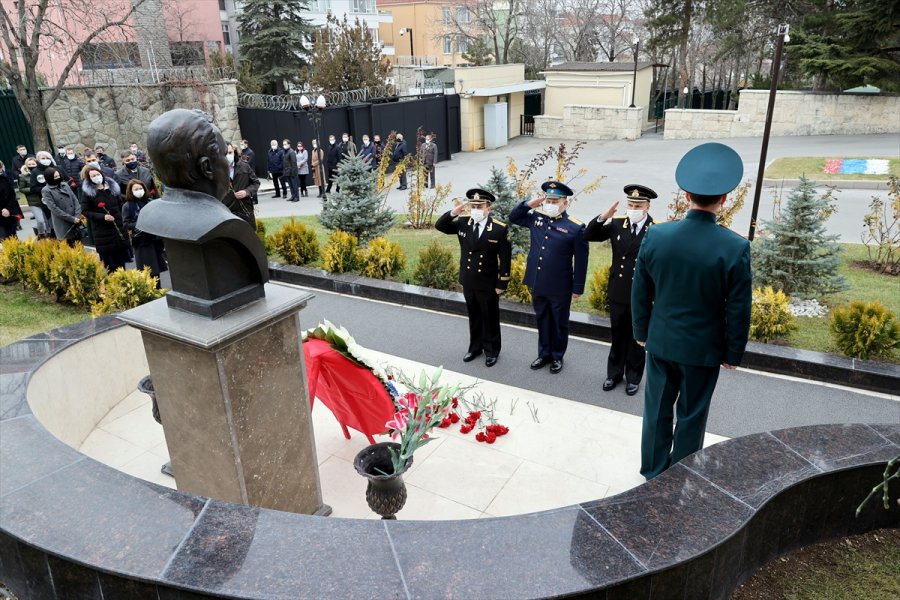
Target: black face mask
{"x":132,"y":165}
{"x":55,"y":182}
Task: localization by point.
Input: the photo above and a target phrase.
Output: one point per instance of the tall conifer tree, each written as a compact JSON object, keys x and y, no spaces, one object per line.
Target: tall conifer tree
{"x":273,"y":38}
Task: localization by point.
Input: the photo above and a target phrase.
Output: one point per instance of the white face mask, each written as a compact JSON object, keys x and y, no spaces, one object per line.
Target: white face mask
{"x":366,"y":143}
{"x":550,"y":209}
{"x":70,"y":155}
{"x":635,"y":216}
{"x":315,"y":145}
{"x":138,"y":192}
{"x":330,"y":140}
{"x":134,"y":148}
{"x":345,"y":138}
{"x":230,"y":158}
{"x":477,"y":214}
{"x":94,"y":164}
{"x":274,"y":146}
{"x":287,"y":146}
{"x":23,"y":152}
{"x":97,"y":179}
{"x":428,"y":140}
{"x":45,"y":162}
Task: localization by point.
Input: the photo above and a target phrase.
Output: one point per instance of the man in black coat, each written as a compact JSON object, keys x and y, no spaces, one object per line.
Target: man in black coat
{"x":70,"y":165}
{"x":484,"y":262}
{"x":625,"y":233}
{"x":400,"y":152}
{"x":290,"y":170}
{"x":105,"y":160}
{"x":18,"y":161}
{"x":332,"y":160}
{"x":275,"y":167}
{"x":248,"y":153}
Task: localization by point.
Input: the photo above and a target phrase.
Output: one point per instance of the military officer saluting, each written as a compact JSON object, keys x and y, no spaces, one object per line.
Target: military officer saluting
{"x":556,"y":269}
{"x":484,"y":257}
{"x":625,"y":233}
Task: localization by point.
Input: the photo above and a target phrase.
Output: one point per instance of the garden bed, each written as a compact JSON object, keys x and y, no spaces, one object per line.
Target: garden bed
{"x":814,"y":167}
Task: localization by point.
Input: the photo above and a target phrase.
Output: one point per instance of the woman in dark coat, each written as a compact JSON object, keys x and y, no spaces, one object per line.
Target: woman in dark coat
{"x":101,"y":203}
{"x":244,"y":186}
{"x":65,"y":210}
{"x":10,"y":212}
{"x":148,"y":248}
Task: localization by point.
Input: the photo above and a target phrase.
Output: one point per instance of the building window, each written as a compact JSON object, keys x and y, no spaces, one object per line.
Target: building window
{"x":446,"y":15}
{"x":110,"y":55}
{"x":187,"y":54}
{"x":222,"y":5}
{"x":226,"y":33}
{"x":462,"y":14}
{"x":363,"y":6}
{"x":323,"y":6}
{"x":462,"y":44}
{"x":448,"y":44}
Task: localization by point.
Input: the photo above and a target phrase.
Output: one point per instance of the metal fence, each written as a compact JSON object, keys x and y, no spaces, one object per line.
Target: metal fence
{"x":359,"y":96}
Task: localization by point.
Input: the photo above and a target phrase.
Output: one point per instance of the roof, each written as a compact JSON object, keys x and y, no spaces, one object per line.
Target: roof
{"x":598,"y":66}
{"x":864,"y":89}
{"x":499,"y":90}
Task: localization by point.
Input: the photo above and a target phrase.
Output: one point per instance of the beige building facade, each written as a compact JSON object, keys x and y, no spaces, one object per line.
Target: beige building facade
{"x":435,"y":31}
{"x":491,"y":84}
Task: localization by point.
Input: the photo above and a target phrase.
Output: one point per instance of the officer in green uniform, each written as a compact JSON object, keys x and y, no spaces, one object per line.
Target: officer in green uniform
{"x":625,"y":234}
{"x":556,"y":268}
{"x":484,"y":260}
{"x":690,"y":304}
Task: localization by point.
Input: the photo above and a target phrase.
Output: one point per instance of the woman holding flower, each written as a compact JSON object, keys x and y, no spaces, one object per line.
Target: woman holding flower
{"x":101,"y":203}
{"x":148,"y":248}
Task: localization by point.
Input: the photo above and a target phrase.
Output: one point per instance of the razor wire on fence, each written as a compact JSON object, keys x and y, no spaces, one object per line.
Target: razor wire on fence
{"x":342,"y":98}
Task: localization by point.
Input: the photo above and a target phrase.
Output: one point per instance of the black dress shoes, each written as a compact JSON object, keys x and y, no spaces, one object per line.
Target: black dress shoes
{"x":610,"y":383}
{"x":470,"y":356}
{"x":490,"y":361}
{"x":631,"y":389}
{"x":540,"y":362}
{"x":557,"y":366}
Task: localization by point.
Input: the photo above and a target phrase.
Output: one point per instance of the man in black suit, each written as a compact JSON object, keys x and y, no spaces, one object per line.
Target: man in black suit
{"x":625,"y":233}
{"x":484,"y":262}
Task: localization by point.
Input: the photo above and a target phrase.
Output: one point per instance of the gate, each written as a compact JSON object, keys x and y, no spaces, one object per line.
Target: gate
{"x":438,"y":114}
{"x":14,"y":128}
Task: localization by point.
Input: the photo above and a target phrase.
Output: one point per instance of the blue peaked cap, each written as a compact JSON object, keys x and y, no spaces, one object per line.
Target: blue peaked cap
{"x":557,"y":189}
{"x":709,"y":170}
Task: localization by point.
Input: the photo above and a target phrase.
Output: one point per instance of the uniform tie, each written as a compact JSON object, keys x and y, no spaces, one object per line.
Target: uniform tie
{"x":477,"y":230}
{"x":634,"y":229}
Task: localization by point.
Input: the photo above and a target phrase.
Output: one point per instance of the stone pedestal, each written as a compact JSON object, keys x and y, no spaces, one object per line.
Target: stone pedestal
{"x":233,"y":399}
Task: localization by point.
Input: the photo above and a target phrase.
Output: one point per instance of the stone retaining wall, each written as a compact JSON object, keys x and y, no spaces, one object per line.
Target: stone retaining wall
{"x":589,"y":122}
{"x":796,"y":113}
{"x":119,"y":114}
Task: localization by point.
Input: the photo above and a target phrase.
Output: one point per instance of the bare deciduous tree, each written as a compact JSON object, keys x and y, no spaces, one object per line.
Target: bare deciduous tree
{"x":501,"y":21}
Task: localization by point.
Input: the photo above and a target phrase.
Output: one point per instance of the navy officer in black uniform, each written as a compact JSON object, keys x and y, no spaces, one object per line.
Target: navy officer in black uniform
{"x":625,"y":233}
{"x":556,"y":269}
{"x":484,"y":257}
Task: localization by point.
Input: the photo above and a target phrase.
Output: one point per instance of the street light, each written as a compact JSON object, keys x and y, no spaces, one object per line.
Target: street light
{"x":404,"y":31}
{"x":637,"y":51}
{"x":684,"y":92}
{"x":783,"y":37}
{"x":315,"y":119}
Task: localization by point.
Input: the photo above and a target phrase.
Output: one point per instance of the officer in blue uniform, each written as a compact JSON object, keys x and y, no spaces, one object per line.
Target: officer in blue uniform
{"x":690,"y":308}
{"x":625,"y":234}
{"x":484,"y":261}
{"x":556,"y":269}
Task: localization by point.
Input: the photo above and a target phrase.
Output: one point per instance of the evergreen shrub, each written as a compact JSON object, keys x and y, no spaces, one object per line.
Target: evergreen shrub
{"x":436,"y":267}
{"x":296,"y":243}
{"x":381,"y":259}
{"x":517,"y":290}
{"x":13,"y":257}
{"x":598,"y":297}
{"x":341,"y":252}
{"x":126,"y":289}
{"x":864,"y":329}
{"x":770,"y":315}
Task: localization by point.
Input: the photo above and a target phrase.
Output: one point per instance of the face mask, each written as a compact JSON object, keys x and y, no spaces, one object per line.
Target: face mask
{"x":345,"y":138}
{"x":134,"y":148}
{"x":330,"y":140}
{"x":131,"y":165}
{"x":60,"y":151}
{"x":97,"y":179}
{"x":427,"y":140}
{"x":94,"y":164}
{"x":377,"y":141}
{"x":551,"y":209}
{"x":274,"y":146}
{"x":138,"y":192}
{"x":243,"y":146}
{"x":23,"y":152}
{"x":45,"y":162}
{"x":477,"y":214}
{"x":56,"y":182}
{"x":366,"y":143}
{"x":634,"y":216}
{"x":399,"y":138}
{"x":230,"y":158}
{"x":315,"y":145}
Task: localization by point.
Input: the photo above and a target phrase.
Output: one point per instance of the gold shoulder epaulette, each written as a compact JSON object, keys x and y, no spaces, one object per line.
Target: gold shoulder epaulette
{"x":620,"y":216}
{"x":500,"y":223}
{"x":576,"y":221}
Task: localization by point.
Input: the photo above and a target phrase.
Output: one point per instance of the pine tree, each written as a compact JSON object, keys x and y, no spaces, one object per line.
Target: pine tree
{"x":796,"y":255}
{"x":503,"y":190}
{"x":273,"y":38}
{"x":357,"y":209}
{"x":479,"y":53}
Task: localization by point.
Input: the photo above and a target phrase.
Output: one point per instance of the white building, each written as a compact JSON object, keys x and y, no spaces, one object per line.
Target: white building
{"x":364,"y":10}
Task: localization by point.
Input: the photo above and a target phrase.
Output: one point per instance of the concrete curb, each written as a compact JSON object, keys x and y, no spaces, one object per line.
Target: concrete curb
{"x":844,"y":184}
{"x":784,"y":360}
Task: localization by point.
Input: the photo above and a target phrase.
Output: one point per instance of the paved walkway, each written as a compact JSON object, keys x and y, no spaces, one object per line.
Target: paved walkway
{"x":651,"y":161}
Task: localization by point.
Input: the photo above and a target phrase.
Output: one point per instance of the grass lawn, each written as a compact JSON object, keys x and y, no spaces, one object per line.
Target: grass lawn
{"x":26,"y":313}
{"x":814,"y":168}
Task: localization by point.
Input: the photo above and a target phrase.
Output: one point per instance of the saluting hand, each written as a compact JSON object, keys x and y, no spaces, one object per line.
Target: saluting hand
{"x":458,"y":209}
{"x":609,"y":212}
{"x":535,"y":202}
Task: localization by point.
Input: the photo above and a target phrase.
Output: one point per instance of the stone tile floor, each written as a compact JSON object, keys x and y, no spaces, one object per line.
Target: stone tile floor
{"x":570,"y":453}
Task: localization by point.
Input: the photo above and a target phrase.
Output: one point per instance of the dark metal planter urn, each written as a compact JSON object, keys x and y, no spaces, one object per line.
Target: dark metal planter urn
{"x":385,"y":494}
{"x":145,"y":385}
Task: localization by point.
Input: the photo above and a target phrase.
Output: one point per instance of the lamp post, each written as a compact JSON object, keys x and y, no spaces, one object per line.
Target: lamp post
{"x":783,"y":37}
{"x":404,"y":31}
{"x":314,"y":113}
{"x":684,"y":93}
{"x":637,"y":50}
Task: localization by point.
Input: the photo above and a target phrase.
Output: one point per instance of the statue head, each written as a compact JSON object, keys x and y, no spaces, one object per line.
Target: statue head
{"x":189,"y":152}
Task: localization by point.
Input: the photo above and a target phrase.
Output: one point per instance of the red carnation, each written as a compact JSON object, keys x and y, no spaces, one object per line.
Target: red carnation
{"x":465,"y":429}
{"x":480,"y":436}
{"x":454,"y":418}
{"x":101,"y":204}
{"x":490,"y":438}
{"x":445,"y":422}
{"x":455,"y":403}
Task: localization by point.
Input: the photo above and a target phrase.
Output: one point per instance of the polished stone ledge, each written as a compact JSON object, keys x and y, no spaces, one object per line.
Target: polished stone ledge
{"x":784,"y":360}
{"x":72,"y":527}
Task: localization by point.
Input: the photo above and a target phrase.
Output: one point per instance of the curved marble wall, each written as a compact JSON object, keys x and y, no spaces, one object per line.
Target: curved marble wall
{"x":71,"y":527}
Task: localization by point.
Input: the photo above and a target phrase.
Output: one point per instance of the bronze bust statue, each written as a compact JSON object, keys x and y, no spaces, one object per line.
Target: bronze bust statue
{"x":216,"y":260}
